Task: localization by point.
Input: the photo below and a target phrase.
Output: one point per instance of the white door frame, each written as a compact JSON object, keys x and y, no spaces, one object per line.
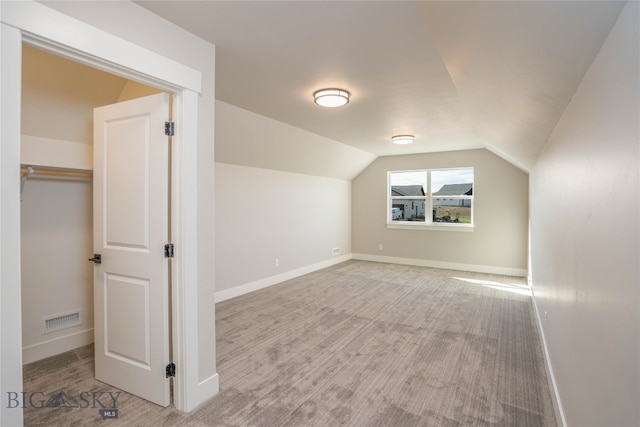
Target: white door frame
{"x":36,"y":24}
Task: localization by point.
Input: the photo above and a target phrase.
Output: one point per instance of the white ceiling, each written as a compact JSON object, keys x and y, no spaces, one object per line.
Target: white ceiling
{"x":455,"y":74}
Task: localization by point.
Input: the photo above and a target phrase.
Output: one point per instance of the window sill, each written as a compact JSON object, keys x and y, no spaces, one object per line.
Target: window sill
{"x":465,"y":228}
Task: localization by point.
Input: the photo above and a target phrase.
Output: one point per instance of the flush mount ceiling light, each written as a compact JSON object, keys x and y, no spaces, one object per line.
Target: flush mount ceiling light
{"x":402,"y":139}
{"x":331,"y":97}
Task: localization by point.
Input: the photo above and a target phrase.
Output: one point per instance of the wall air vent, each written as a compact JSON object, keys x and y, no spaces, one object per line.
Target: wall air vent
{"x":61,"y":321}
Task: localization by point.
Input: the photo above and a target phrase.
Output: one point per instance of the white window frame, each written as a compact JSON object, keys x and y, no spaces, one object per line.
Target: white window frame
{"x":428,"y":223}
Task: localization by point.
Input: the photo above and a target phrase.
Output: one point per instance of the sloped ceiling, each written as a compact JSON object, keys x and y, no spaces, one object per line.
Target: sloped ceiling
{"x":516,"y":65}
{"x":457,"y":75}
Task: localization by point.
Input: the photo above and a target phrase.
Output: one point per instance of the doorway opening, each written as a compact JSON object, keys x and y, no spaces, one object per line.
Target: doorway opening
{"x":189,"y":75}
{"x":58,"y":98}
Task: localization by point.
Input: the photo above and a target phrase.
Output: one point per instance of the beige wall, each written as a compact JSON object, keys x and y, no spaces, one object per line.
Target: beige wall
{"x":585,"y":238}
{"x":281,"y":193}
{"x":263,"y":215}
{"x":74,"y":90}
{"x":499,"y":241}
{"x":56,"y":226}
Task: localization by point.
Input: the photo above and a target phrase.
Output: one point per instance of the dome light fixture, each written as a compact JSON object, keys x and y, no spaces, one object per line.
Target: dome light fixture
{"x":402,"y":139}
{"x":331,"y":97}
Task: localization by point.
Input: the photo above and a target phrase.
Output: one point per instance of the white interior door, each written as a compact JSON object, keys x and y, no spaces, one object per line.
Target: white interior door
{"x":130,"y":209}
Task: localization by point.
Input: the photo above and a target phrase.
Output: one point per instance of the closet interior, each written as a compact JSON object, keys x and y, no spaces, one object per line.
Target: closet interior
{"x":58,"y":98}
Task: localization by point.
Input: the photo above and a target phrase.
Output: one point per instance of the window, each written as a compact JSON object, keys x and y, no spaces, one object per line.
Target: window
{"x":431,"y":197}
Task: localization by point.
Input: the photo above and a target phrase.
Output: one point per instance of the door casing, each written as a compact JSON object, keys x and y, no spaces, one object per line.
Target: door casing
{"x":38,"y":25}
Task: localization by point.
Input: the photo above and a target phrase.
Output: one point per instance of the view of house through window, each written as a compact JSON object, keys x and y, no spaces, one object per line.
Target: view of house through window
{"x":431,"y":196}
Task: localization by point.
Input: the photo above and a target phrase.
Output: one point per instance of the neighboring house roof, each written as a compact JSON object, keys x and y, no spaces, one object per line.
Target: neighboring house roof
{"x":455,"y":190}
{"x":407,"y":190}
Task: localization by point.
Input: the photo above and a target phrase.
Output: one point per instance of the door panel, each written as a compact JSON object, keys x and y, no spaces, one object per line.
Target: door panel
{"x":127,"y":317}
{"x":126,"y":174}
{"x":130,"y":230}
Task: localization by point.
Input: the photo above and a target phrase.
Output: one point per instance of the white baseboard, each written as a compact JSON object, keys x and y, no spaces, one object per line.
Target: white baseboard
{"x":553,"y":387}
{"x":32,"y":353}
{"x":520,"y":272}
{"x":236,"y":291}
{"x":207,"y":389}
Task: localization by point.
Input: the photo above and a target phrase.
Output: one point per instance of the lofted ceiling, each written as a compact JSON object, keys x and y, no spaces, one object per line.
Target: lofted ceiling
{"x":457,"y":75}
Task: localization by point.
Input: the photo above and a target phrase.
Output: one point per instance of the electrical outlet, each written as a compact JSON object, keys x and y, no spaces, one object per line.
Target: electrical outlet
{"x":380,"y":247}
{"x":277,"y":263}
{"x":545,"y":318}
{"x":335,"y":251}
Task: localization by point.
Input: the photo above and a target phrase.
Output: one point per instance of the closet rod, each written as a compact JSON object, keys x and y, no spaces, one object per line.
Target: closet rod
{"x":32,"y":170}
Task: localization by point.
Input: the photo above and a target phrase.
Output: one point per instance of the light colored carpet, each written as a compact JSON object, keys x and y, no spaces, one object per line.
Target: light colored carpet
{"x":357,"y":344}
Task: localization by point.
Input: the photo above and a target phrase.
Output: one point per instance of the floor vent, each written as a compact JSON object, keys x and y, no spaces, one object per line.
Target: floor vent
{"x":61,"y":321}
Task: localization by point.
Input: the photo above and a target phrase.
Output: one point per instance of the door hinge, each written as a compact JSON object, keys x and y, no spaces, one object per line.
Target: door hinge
{"x":169,"y":128}
{"x":171,"y":370}
{"x":168,"y":250}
